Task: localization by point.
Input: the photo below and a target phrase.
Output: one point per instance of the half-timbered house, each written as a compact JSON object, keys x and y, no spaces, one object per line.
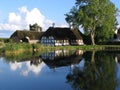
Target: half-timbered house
{"x":56,"y":36}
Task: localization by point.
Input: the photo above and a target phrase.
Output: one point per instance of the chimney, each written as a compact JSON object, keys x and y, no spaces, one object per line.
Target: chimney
{"x":53,"y":25}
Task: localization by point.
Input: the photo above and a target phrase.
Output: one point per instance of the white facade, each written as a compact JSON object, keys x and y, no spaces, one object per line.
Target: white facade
{"x":50,"y":41}
{"x":77,"y":42}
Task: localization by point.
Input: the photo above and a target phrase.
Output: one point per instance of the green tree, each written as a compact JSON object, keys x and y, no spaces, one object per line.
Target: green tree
{"x":35,"y":27}
{"x":97,"y":17}
{"x":99,"y":72}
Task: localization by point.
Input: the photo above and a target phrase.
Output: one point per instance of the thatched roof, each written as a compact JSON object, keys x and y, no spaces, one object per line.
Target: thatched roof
{"x":20,"y":34}
{"x":60,"y":61}
{"x":63,"y":33}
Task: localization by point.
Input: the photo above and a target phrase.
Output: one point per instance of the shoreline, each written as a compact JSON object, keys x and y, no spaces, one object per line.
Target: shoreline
{"x":21,"y":47}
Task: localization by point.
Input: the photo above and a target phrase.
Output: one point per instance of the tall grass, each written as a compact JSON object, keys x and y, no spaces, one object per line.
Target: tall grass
{"x":12,"y":48}
{"x":2,"y":44}
{"x":17,"y":48}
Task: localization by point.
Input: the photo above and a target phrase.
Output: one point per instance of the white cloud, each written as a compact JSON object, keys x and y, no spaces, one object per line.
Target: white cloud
{"x":24,"y":17}
{"x":23,"y":9}
{"x":21,"y":19}
{"x":14,"y":18}
{"x":9,"y":26}
{"x":35,"y":16}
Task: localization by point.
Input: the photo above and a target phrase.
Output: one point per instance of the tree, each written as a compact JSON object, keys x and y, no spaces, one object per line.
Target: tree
{"x":35,"y":27}
{"x":99,"y":72}
{"x":97,"y":17}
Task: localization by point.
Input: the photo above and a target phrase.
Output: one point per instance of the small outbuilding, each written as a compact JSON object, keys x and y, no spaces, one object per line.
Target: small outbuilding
{"x":26,"y":36}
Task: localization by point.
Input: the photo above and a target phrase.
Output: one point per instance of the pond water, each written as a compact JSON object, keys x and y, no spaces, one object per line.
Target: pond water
{"x":61,"y":70}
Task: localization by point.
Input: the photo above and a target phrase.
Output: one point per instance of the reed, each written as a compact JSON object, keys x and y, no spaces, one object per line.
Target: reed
{"x":12,"y":48}
{"x":17,"y":48}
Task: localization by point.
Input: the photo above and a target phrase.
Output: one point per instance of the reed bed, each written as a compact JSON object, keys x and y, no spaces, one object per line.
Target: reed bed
{"x":17,"y":48}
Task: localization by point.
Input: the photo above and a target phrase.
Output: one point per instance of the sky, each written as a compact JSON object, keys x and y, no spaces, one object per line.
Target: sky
{"x":18,"y":14}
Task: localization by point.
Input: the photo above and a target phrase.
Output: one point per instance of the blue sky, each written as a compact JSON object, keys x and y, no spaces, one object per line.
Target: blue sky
{"x":17,"y":14}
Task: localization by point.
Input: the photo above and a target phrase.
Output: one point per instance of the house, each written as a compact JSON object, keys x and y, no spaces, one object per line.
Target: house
{"x":26,"y":36}
{"x":56,"y":36}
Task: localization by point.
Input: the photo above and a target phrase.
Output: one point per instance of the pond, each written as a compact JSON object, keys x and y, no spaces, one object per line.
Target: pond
{"x":61,"y":70}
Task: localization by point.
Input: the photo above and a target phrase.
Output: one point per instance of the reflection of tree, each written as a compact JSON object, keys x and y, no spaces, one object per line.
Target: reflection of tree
{"x":26,"y":56}
{"x":36,"y":61}
{"x":98,"y":74}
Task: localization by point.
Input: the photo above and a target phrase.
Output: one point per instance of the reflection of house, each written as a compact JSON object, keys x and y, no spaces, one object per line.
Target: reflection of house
{"x":61,"y":58}
{"x":61,"y":36}
{"x":33,"y":60}
{"x":26,"y":36}
{"x":54,"y":54}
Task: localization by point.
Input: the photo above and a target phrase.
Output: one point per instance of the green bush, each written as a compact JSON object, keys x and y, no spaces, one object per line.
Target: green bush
{"x":18,"y":46}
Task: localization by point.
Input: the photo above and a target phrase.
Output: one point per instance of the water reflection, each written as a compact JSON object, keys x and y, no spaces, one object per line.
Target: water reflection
{"x":99,"y":72}
{"x":53,"y":59}
{"x":88,"y":70}
{"x":61,"y":58}
{"x":25,"y":64}
{"x":26,"y":67}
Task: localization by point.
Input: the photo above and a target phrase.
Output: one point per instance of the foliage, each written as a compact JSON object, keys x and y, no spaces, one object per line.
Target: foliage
{"x":4,"y":40}
{"x":99,"y":74}
{"x":18,"y":57}
{"x":13,"y":48}
{"x":1,"y":44}
{"x":35,"y":27}
{"x":97,"y":17}
{"x":17,"y":48}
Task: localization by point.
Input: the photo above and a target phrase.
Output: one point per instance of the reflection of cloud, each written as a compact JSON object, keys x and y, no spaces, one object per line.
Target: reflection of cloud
{"x":25,"y":68}
{"x":1,"y":65}
{"x":14,"y":66}
{"x":32,"y":68}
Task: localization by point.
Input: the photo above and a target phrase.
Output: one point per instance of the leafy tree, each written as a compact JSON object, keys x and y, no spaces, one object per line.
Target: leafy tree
{"x":97,"y":17}
{"x":35,"y":27}
{"x":99,"y":72}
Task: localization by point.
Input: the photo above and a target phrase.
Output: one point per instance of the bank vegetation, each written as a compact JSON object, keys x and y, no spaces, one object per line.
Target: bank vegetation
{"x":18,"y":48}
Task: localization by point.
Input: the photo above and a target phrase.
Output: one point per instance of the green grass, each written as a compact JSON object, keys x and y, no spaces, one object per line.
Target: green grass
{"x":17,"y":48}
{"x":12,"y":48}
